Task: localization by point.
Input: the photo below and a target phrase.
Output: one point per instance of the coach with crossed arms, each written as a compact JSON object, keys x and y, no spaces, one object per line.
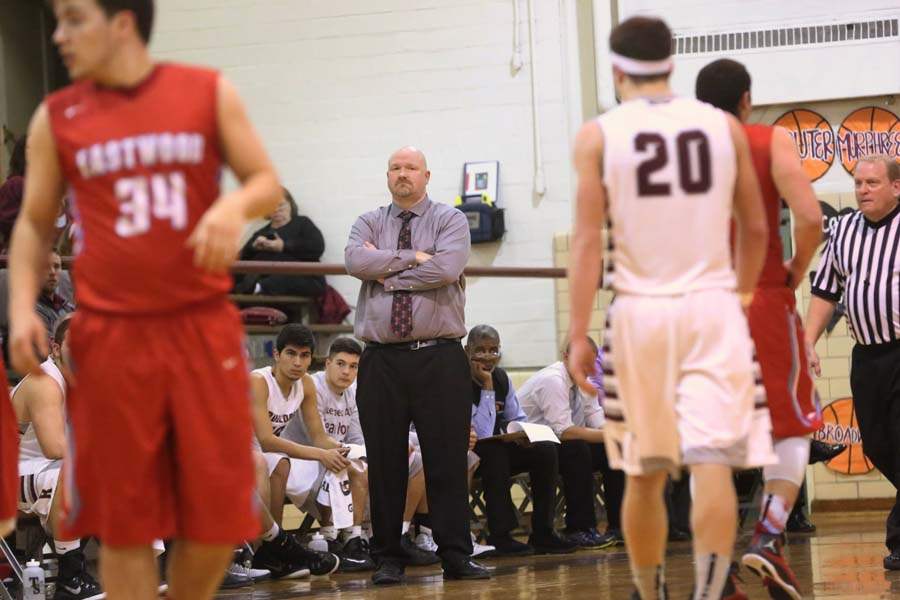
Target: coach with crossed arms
{"x":410,"y":257}
{"x":860,"y":264}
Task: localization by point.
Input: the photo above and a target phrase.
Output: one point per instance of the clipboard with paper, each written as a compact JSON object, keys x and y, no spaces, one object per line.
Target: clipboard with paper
{"x":531,"y":433}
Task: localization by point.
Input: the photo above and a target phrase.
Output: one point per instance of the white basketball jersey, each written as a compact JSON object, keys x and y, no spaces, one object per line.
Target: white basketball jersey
{"x":669,"y":170}
{"x":336,"y":410}
{"x":31,"y":457}
{"x":281,"y":409}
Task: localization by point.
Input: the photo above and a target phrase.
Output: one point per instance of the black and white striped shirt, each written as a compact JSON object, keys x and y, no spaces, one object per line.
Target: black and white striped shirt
{"x":860,"y":264}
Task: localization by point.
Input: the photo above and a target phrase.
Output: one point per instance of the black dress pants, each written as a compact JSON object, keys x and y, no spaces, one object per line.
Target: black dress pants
{"x":499,"y":462}
{"x":578,"y":460}
{"x":875,"y":383}
{"x":431,"y":388}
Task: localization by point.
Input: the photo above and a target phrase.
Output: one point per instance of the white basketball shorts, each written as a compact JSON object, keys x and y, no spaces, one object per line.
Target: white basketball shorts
{"x":680,"y":384}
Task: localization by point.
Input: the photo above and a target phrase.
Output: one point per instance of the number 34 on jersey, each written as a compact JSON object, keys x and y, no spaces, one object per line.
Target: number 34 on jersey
{"x":161,"y":196}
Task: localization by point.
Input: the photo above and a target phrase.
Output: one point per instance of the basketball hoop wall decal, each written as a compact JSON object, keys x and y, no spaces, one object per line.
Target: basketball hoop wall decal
{"x":869,"y":130}
{"x":814,"y":138}
{"x":840,"y":427}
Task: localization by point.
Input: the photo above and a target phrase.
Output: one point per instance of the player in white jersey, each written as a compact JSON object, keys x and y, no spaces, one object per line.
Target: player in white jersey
{"x":279,"y":392}
{"x":39,"y":404}
{"x":669,"y":174}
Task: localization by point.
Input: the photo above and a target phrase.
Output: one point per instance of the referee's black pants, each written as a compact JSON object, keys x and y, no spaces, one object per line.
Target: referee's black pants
{"x":875,"y":383}
{"x":431,"y":388}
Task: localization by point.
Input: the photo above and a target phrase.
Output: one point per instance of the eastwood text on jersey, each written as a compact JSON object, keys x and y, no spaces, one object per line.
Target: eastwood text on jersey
{"x":148,"y":150}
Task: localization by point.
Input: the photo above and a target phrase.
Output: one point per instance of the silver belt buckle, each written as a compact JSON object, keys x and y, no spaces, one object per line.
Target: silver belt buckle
{"x":419,"y":344}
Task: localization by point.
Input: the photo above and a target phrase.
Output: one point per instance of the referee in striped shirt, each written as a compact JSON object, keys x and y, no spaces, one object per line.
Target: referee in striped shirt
{"x":861,"y":264}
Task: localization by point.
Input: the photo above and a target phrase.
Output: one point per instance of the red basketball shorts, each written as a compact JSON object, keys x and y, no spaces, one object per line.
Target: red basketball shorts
{"x":777,"y":331}
{"x":9,"y":452}
{"x":160,"y":415}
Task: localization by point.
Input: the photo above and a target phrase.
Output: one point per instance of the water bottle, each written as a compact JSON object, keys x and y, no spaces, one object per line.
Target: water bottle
{"x":318,"y":543}
{"x":33,"y":581}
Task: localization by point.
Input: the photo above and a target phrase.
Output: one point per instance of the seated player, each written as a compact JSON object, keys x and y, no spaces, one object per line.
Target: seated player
{"x":279,"y":392}
{"x":494,"y":406}
{"x":336,"y":406}
{"x":39,"y":404}
{"x":336,"y":402}
{"x":551,"y":398}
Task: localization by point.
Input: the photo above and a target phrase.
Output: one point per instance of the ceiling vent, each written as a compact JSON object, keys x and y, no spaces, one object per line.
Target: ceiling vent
{"x":792,"y":63}
{"x":781,"y":37}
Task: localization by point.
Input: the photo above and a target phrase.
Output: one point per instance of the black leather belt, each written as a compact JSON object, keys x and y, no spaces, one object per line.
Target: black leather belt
{"x":416,"y":345}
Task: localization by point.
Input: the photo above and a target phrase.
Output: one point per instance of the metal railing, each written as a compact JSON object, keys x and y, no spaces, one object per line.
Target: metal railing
{"x":317,"y":268}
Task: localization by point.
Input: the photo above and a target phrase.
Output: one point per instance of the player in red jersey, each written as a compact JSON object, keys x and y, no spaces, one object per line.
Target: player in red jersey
{"x":9,"y":456}
{"x":162,"y":443}
{"x":774,"y":323}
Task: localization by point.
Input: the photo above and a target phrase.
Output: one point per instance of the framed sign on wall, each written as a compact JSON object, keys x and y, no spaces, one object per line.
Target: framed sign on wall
{"x":480,"y":179}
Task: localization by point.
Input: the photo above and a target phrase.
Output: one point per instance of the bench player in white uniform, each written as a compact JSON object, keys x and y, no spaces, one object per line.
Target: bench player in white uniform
{"x":669,"y":173}
{"x":280,"y":392}
{"x":39,"y":404}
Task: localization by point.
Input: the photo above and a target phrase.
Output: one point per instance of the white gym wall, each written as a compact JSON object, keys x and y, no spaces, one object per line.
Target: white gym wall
{"x":334,"y":87}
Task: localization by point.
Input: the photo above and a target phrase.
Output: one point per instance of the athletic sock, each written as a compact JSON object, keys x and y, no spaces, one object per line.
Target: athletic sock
{"x":353,"y":532}
{"x":710,"y":571}
{"x":328,"y":532}
{"x":406,"y":525}
{"x":272,"y":533}
{"x":63,"y":547}
{"x":423,"y":519}
{"x":649,"y":581}
{"x":773,"y":515}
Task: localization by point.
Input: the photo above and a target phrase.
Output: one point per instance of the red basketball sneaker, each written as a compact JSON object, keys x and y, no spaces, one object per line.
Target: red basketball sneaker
{"x":764,"y":558}
{"x":732,"y":589}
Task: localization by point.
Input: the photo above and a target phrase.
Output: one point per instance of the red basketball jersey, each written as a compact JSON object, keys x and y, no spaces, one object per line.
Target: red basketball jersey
{"x":142,"y":165}
{"x":760,"y":137}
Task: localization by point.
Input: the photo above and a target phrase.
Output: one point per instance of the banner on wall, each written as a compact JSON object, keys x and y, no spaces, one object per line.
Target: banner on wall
{"x":814,"y":138}
{"x":840,"y":427}
{"x":868,"y":130}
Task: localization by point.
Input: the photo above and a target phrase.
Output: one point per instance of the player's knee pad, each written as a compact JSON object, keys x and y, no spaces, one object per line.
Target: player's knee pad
{"x":793,"y":456}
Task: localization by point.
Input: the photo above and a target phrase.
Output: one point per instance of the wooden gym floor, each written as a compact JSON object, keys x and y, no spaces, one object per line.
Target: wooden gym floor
{"x":842,"y":560}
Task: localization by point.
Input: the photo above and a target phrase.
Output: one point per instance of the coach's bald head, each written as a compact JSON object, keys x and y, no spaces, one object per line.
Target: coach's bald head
{"x":408,"y":176}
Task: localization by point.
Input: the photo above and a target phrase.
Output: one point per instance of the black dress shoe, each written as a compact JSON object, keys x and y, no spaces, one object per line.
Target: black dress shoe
{"x":388,"y":573}
{"x":823,"y":452}
{"x":892,"y":561}
{"x":551,"y":544}
{"x":465,"y":569}
{"x":507,"y":546}
{"x":798,"y":523}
